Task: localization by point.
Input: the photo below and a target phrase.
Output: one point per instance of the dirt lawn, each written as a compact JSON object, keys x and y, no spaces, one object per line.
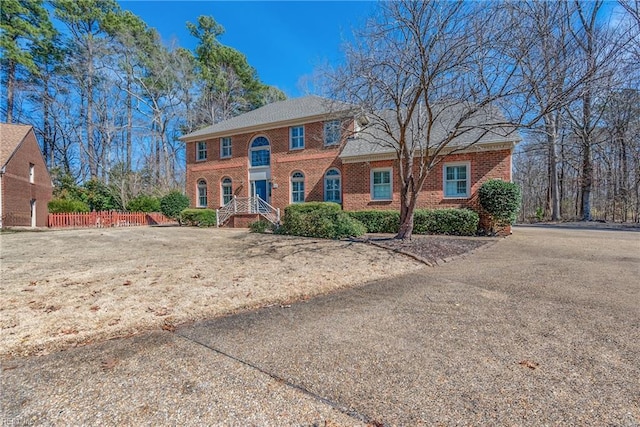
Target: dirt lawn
{"x":71,"y":287}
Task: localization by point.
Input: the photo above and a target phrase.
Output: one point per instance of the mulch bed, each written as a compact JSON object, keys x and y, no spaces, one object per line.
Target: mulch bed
{"x":430,"y":249}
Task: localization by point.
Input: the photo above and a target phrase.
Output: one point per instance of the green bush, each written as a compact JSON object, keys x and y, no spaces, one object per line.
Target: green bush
{"x":66,"y":205}
{"x":260,"y":226}
{"x":100,"y":196}
{"x":457,"y":222}
{"x":320,"y":219}
{"x":173,"y":204}
{"x":144,"y":203}
{"x":501,"y":200}
{"x":461,"y":222}
{"x":300,"y":208}
{"x":378,"y":221}
{"x":198,"y":217}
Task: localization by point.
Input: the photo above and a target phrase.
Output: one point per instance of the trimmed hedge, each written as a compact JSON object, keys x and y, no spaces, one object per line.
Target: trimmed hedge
{"x":67,"y":205}
{"x":457,"y":222}
{"x":319,"y":219}
{"x":460,"y":222}
{"x":199,"y":217}
{"x":378,"y":221}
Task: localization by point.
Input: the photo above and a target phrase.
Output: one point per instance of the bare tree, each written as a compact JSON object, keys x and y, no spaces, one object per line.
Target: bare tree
{"x":426,"y":76}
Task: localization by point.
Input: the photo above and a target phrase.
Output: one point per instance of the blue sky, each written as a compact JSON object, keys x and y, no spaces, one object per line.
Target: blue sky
{"x":283,"y":40}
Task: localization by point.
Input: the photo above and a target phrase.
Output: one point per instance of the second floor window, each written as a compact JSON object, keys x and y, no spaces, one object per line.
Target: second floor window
{"x":201,"y":151}
{"x":225,"y":147}
{"x":296,"y":137}
{"x":260,"y":155}
{"x":332,"y":132}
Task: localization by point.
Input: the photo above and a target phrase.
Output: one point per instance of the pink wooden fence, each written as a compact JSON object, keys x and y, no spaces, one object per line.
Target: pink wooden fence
{"x":106,"y":219}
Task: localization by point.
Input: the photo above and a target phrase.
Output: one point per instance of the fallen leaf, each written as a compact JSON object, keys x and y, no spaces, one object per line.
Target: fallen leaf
{"x":94,"y":308}
{"x":51,"y":308}
{"x":33,"y":283}
{"x":126,"y":283}
{"x":168,"y":326}
{"x":529,"y":364}
{"x":196,"y":276}
{"x":109,"y":363}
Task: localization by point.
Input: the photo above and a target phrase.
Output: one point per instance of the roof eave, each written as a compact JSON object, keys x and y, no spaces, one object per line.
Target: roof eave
{"x":264,"y":126}
{"x":391,"y":155}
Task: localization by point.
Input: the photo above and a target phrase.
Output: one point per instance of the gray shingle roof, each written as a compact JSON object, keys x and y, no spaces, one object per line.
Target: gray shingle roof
{"x":273,"y":114}
{"x":11,"y":136}
{"x":480,"y":129}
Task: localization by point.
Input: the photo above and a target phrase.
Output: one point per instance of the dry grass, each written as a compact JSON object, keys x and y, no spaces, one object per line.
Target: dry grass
{"x":72,"y":287}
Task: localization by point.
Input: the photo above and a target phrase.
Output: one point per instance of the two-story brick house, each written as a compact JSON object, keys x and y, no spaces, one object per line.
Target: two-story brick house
{"x":310,"y":149}
{"x":25,"y":183}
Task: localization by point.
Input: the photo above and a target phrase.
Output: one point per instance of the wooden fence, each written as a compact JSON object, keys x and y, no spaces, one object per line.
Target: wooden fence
{"x":106,"y":219}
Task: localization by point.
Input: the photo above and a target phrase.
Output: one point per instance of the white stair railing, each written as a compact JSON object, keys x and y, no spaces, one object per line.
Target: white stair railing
{"x":247,"y":205}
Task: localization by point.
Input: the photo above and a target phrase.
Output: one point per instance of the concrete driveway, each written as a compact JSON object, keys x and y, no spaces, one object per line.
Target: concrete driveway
{"x":540,"y":328}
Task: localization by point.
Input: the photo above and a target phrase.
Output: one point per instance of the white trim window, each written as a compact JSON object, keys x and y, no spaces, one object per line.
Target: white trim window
{"x":332,"y":187}
{"x":202,"y":194}
{"x":259,"y":152}
{"x":225,"y":147}
{"x":456,"y":180}
{"x":201,"y":151}
{"x":332,"y":132}
{"x":227,"y":190}
{"x":296,"y":137}
{"x":381,"y":184}
{"x":297,"y":187}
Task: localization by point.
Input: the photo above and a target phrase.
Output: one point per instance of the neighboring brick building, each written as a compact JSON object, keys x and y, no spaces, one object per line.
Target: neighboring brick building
{"x":25,"y":183}
{"x":311,"y":149}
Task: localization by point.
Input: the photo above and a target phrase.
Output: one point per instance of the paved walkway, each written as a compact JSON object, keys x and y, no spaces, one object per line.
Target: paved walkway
{"x":540,"y":328}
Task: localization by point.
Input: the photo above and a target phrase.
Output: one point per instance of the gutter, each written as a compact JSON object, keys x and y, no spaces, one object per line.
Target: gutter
{"x":391,"y":155}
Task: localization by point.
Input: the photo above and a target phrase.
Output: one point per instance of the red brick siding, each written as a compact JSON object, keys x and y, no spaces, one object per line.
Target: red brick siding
{"x":484,"y":165}
{"x":314,"y":160}
{"x":17,"y":191}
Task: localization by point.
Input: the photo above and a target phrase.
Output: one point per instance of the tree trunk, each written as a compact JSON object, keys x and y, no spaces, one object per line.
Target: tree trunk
{"x":587,"y":179}
{"x":11,"y":78}
{"x":129,"y":152}
{"x":554,"y":183}
{"x":406,"y":221}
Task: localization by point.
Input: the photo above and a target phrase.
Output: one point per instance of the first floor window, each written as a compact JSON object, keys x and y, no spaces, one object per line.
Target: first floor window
{"x":381,"y":188}
{"x":225,"y":147}
{"x":227,"y":191}
{"x":332,"y":132}
{"x":202,"y":193}
{"x":297,"y":187}
{"x":296,"y":137}
{"x":456,"y":180}
{"x":332,"y":186}
{"x":201,"y":151}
